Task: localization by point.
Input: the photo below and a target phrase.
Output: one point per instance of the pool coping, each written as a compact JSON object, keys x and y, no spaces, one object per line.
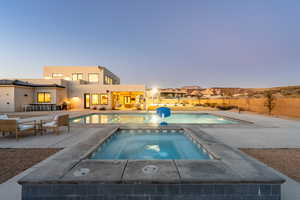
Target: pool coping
{"x":232,"y":167}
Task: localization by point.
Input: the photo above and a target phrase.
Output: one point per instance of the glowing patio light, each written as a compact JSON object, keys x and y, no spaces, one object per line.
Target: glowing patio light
{"x":154,"y":91}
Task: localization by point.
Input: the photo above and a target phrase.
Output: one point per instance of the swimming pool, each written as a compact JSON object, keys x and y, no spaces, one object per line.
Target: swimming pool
{"x":150,"y":145}
{"x":151,"y":118}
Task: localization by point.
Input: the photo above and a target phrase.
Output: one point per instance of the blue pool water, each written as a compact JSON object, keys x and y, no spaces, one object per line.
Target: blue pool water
{"x":151,"y":118}
{"x":149,"y":145}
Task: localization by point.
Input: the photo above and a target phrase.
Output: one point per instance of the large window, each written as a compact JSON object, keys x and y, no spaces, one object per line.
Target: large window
{"x":57,"y":75}
{"x":43,"y":97}
{"x":104,"y":99}
{"x":94,"y":78}
{"x":108,"y":80}
{"x":95,"y":99}
{"x":127,"y":99}
{"x":77,"y":76}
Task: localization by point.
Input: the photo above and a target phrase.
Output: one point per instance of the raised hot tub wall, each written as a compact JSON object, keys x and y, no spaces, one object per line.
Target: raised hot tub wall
{"x":70,"y":175}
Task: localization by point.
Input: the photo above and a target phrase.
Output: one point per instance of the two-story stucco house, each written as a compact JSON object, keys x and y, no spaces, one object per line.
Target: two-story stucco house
{"x":81,"y":87}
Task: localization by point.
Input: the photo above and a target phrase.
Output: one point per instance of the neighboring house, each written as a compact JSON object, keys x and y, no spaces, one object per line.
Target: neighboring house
{"x":184,"y":92}
{"x":208,"y":92}
{"x":173,"y":93}
{"x":15,"y":94}
{"x":82,"y":87}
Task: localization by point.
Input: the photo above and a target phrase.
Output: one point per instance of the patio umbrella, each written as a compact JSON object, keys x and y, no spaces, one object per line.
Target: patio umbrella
{"x":163,"y":112}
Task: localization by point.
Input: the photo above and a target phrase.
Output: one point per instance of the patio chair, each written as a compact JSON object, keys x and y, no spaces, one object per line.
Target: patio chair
{"x":17,"y":127}
{"x":58,"y":121}
{"x":3,"y":117}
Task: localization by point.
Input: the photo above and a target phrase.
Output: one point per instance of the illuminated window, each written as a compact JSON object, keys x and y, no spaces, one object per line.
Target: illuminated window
{"x":95,"y":99}
{"x":108,"y":80}
{"x":93,"y":78}
{"x":44,"y":97}
{"x":77,"y":76}
{"x":104,"y":99}
{"x":127,"y":99}
{"x":57,"y":76}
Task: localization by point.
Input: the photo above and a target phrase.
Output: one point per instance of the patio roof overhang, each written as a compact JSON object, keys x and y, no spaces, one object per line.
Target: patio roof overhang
{"x":27,"y":84}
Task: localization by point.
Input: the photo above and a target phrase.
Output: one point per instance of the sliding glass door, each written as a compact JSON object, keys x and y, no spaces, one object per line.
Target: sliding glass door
{"x":87,"y":98}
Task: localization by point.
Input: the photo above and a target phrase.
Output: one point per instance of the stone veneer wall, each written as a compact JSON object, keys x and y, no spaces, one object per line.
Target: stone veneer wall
{"x":151,"y":191}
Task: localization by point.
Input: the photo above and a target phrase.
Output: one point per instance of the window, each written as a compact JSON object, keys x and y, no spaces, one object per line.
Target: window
{"x":57,"y":76}
{"x":108,"y":80}
{"x":95,"y":99}
{"x":127,"y":99}
{"x":43,"y":97}
{"x":104,"y":99}
{"x":77,"y":76}
{"x":93,"y":78}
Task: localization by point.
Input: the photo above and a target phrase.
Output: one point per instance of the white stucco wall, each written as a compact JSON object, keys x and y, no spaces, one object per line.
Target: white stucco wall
{"x":7,"y":103}
{"x":61,"y":95}
{"x":23,"y":96}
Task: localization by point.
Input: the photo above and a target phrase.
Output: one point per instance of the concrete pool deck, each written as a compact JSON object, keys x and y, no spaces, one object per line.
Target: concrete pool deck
{"x":269,"y":132}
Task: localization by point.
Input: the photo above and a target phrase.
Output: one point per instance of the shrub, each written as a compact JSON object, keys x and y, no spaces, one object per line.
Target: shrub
{"x":199,"y":104}
{"x":226,"y":107}
{"x":270,"y":101}
{"x":241,"y":109}
{"x":102,"y":108}
{"x":204,"y":105}
{"x":213,"y":105}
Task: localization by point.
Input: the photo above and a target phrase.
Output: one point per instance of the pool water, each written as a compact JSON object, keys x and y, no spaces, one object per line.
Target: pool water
{"x":149,"y":145}
{"x":151,"y":118}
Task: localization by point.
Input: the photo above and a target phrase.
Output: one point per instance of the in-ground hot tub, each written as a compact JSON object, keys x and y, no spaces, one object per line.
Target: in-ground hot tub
{"x":151,"y":144}
{"x":80,"y":173}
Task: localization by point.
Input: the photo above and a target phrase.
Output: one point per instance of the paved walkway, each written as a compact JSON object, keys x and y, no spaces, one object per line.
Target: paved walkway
{"x":268,"y":132}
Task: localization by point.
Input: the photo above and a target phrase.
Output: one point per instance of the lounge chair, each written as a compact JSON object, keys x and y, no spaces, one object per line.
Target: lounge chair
{"x":58,"y":121}
{"x":17,"y":127}
{"x":3,"y":117}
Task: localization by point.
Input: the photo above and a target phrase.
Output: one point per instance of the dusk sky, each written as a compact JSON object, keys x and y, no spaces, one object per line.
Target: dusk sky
{"x":163,"y":43}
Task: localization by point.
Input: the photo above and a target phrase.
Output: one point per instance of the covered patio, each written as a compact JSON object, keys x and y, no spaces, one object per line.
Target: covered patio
{"x":129,"y":100}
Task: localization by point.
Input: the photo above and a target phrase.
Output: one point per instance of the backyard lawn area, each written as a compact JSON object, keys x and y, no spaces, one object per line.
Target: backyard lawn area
{"x":287,"y":161}
{"x":15,"y":161}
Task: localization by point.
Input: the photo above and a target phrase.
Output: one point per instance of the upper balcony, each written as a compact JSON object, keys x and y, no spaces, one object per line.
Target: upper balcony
{"x":82,"y":74}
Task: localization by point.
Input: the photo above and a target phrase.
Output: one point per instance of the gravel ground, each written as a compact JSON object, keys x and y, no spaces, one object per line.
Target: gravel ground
{"x":15,"y":161}
{"x":287,"y":161}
